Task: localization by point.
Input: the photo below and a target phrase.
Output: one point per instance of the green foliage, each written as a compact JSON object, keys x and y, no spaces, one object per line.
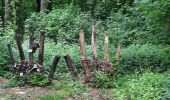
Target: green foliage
{"x":15,"y":82}
{"x":143,"y":23}
{"x":4,"y":58}
{"x":61,"y":24}
{"x":142,"y":57}
{"x":66,"y":88}
{"x":37,"y":79}
{"x":102,"y":80}
{"x":140,"y":87}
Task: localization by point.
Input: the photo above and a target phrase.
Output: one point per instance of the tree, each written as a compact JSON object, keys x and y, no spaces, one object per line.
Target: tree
{"x":19,"y":31}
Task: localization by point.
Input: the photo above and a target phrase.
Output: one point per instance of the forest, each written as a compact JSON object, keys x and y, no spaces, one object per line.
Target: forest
{"x":84,"y":49}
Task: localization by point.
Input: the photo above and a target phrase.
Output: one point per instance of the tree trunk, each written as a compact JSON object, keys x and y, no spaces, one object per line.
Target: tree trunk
{"x":83,"y":56}
{"x":2,"y":14}
{"x":49,"y":6}
{"x":106,"y":48}
{"x":71,"y":67}
{"x":6,"y":15}
{"x":31,"y":42}
{"x":19,"y":45}
{"x":43,"y":5}
{"x":38,"y":5}
{"x":11,"y":54}
{"x":53,"y":68}
{"x":19,"y":27}
{"x":41,"y":50}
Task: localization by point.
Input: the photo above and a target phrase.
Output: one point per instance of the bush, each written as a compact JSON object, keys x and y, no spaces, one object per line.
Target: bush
{"x":141,"y":57}
{"x":146,"y":86}
{"x":4,"y":57}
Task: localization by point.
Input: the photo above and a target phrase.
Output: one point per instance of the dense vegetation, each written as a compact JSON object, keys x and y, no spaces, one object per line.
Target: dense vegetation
{"x":140,"y":27}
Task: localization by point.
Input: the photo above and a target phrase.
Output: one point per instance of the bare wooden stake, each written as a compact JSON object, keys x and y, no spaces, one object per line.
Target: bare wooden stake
{"x":106,"y":48}
{"x":11,"y":54}
{"x":83,"y":56}
{"x":118,"y":53}
{"x":71,"y":67}
{"x":31,"y":42}
{"x":53,"y":68}
{"x":41,"y":46}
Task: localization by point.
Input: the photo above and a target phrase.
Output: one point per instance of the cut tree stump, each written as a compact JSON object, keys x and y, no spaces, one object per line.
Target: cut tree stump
{"x":53,"y":68}
{"x":83,"y":56}
{"x":71,"y":67}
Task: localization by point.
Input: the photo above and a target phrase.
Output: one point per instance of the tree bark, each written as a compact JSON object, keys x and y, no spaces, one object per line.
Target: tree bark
{"x":31,"y":42}
{"x":53,"y":68}
{"x":41,"y":50}
{"x":11,"y":54}
{"x":106,"y":48}
{"x":83,"y":56}
{"x":71,"y":67}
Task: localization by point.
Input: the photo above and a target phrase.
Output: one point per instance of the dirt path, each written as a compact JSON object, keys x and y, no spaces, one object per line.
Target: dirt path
{"x":22,"y":93}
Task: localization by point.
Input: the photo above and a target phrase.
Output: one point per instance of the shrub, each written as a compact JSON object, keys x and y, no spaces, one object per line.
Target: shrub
{"x":141,"y":57}
{"x":4,"y":57}
{"x":37,"y":79}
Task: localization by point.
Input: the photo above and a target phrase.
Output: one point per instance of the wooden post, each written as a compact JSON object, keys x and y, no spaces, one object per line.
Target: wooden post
{"x":118,"y":53}
{"x":31,"y":41}
{"x":41,"y":50}
{"x":83,"y":56}
{"x":71,"y":67}
{"x":11,"y":54}
{"x":106,"y":48}
{"x":93,"y":42}
{"x":53,"y":68}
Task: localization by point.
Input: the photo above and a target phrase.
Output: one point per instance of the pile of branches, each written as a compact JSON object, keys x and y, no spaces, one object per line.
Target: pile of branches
{"x":25,"y":68}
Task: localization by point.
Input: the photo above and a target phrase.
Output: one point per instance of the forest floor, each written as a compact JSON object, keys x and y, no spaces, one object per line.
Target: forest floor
{"x":34,"y":93}
{"x":22,"y":93}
